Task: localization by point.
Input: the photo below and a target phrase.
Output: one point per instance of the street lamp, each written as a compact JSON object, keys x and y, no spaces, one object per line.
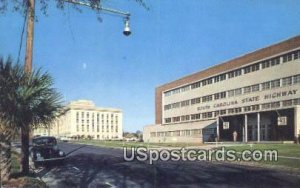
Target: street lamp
{"x":127,"y":31}
{"x":126,"y":15}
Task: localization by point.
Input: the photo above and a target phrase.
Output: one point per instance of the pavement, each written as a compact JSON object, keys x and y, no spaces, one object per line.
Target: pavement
{"x":96,"y":167}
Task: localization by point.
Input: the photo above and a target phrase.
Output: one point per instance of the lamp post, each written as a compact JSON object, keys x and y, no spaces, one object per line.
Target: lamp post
{"x":25,"y":131}
{"x":30,"y":25}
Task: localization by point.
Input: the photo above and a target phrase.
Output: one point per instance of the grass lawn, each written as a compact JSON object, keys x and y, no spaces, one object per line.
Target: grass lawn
{"x":284,"y":150}
{"x":120,"y":144}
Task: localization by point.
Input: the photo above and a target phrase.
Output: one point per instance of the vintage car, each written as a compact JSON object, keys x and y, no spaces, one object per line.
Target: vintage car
{"x":44,"y":150}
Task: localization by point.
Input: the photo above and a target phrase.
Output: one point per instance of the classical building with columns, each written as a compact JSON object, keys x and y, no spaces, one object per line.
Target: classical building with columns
{"x":255,"y":97}
{"x":85,"y":120}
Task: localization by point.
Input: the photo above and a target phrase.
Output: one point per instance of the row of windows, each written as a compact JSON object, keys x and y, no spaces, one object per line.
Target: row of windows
{"x":239,"y":91}
{"x":207,"y":115}
{"x":87,"y":128}
{"x":87,"y":115}
{"x":191,"y":132}
{"x":251,"y":68}
{"x":93,"y":122}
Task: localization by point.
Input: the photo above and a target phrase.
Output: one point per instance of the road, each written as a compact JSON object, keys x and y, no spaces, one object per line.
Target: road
{"x":90,"y":166}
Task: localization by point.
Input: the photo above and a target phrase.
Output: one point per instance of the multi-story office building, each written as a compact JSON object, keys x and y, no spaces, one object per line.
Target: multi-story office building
{"x":255,"y":97}
{"x":84,"y":119}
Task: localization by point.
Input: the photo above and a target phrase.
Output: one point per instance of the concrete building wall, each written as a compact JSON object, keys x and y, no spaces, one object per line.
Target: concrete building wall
{"x":85,"y":119}
{"x":277,"y":66}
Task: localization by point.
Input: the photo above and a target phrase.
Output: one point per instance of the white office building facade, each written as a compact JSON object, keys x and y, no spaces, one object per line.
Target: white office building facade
{"x":84,"y":120}
{"x":256,"y":95}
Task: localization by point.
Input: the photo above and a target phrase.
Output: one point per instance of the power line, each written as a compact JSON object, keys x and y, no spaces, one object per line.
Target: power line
{"x":22,"y":34}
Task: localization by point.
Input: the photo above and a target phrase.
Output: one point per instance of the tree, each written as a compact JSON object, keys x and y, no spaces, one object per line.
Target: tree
{"x":27,"y":101}
{"x":27,"y":8}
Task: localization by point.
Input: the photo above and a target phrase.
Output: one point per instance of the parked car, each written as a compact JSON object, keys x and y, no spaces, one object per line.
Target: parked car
{"x":65,"y":139}
{"x":45,"y":150}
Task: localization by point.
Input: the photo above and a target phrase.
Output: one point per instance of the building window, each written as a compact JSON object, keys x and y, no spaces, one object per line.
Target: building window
{"x":297,"y":54}
{"x":185,"y":103}
{"x":275,"y":104}
{"x":247,"y":108}
{"x":251,"y":68}
{"x":265,"y":64}
{"x":296,"y":79}
{"x":296,"y":101}
{"x":209,"y":114}
{"x":216,"y":113}
{"x":287,"y":57}
{"x":196,"y":100}
{"x":195,"y":116}
{"x":231,"y":93}
{"x":196,"y":132}
{"x":275,"y":61}
{"x":287,"y":81}
{"x":168,"y":93}
{"x":220,"y":95}
{"x":247,"y":70}
{"x":176,"y":119}
{"x":217,"y":79}
{"x":247,"y":89}
{"x":231,"y":74}
{"x":176,"y":105}
{"x":222,"y":112}
{"x":238,"y":110}
{"x":255,"y":88}
{"x":266,"y":106}
{"x":167,"y":120}
{"x":222,"y":77}
{"x":238,"y":91}
{"x":77,"y":128}
{"x":231,"y":111}
{"x":196,"y":85}
{"x":207,"y":98}
{"x":275,"y":83}
{"x":185,"y":118}
{"x":265,"y":86}
{"x":287,"y":103}
{"x":255,"y":107}
{"x":186,"y":88}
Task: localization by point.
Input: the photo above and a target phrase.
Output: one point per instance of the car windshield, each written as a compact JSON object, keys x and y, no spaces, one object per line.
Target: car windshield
{"x":44,"y":141}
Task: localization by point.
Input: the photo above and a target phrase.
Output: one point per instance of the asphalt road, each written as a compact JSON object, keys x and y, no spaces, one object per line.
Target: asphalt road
{"x":95,"y":167}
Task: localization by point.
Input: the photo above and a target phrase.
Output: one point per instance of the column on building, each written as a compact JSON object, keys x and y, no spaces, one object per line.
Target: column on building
{"x":297,"y":122}
{"x":258,"y":127}
{"x":246,"y":128}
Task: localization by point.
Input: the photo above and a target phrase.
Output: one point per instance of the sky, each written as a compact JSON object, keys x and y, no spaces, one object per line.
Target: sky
{"x":93,"y":60}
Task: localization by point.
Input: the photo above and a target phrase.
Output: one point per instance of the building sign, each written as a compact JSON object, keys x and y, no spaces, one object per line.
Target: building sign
{"x":253,"y":99}
{"x":282,"y":120}
{"x":225,"y":125}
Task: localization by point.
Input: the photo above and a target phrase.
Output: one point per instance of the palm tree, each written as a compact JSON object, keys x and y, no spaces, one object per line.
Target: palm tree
{"x":27,"y":101}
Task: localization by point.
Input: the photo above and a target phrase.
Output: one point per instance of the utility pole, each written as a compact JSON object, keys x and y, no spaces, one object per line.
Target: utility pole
{"x":25,"y":131}
{"x":30,"y":33}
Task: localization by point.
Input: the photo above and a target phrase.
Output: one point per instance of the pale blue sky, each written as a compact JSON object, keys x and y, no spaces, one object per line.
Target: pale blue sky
{"x":93,"y":60}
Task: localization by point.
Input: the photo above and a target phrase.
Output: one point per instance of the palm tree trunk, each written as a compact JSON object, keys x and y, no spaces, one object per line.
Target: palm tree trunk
{"x":5,"y":159}
{"x":25,"y":150}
